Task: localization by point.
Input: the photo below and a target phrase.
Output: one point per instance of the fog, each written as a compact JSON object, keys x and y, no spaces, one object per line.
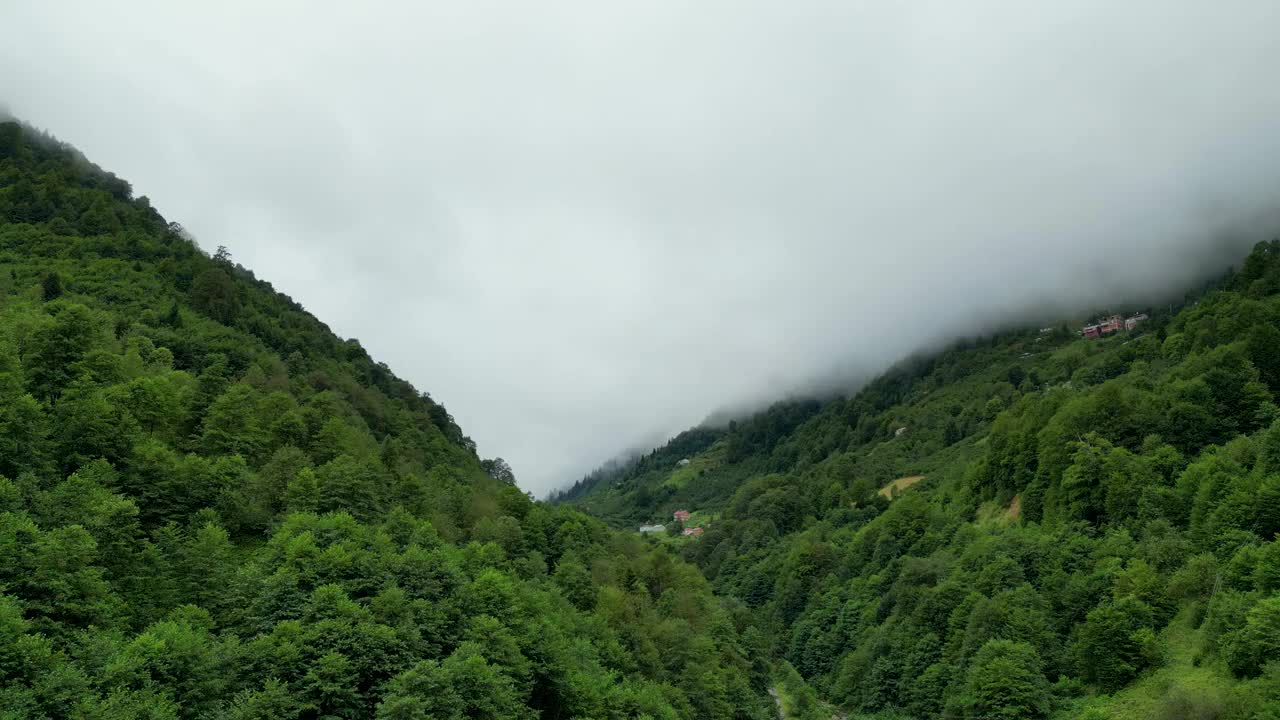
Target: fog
{"x":585,"y":226}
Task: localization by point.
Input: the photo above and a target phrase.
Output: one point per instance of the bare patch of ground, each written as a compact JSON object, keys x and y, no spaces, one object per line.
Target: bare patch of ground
{"x":899,"y":485}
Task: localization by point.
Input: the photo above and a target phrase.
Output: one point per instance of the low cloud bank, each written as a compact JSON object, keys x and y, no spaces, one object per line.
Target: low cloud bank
{"x":584,"y":226}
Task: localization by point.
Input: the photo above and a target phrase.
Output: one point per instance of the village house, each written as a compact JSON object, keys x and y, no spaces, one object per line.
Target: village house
{"x":653,"y":528}
{"x":681,"y":516}
{"x":692,"y":532}
{"x":1133,"y":322}
{"x":1110,"y":324}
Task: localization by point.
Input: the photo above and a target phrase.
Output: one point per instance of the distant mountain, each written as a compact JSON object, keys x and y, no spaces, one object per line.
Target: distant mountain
{"x":1035,"y":524}
{"x":213,"y":507}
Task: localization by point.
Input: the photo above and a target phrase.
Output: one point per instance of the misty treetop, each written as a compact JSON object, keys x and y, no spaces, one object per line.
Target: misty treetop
{"x":212,"y":507}
{"x":1095,"y":533}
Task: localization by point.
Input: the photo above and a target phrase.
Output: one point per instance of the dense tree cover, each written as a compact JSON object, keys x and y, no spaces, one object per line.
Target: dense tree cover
{"x":1083,"y":502}
{"x":212,"y":507}
{"x":641,"y":481}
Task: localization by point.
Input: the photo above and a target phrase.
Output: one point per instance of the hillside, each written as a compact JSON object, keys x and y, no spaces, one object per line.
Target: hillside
{"x":213,"y":507}
{"x":1034,"y":524}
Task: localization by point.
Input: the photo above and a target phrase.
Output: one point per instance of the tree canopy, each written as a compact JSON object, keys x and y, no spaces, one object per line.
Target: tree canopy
{"x":212,"y":507}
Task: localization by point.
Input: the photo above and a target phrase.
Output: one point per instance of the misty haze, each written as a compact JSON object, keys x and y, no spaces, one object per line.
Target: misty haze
{"x":598,"y":224}
{"x":644,"y":360}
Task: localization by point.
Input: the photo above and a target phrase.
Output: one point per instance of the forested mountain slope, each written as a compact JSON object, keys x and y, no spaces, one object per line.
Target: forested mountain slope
{"x":212,"y":507}
{"x":1030,"y":525}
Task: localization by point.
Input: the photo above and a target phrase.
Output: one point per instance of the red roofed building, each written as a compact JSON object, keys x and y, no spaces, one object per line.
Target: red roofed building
{"x":1105,"y":326}
{"x":692,"y":532}
{"x":681,"y":516}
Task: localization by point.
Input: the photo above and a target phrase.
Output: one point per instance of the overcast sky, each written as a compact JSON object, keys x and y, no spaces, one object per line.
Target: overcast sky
{"x":586,"y":225}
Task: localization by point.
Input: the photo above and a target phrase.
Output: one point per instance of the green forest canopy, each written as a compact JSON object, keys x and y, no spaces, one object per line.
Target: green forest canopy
{"x":1096,"y":530}
{"x":212,"y":507}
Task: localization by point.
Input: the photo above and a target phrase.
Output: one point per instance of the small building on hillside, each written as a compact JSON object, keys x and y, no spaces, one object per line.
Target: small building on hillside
{"x":653,"y":528}
{"x":1105,"y":326}
{"x":683,"y":462}
{"x":681,"y":516}
{"x":1135,"y":321}
{"x":692,"y":532}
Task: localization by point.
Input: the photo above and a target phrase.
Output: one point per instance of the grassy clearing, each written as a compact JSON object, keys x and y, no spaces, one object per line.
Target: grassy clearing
{"x":897,"y":486}
{"x":698,"y":464}
{"x":1177,"y":689}
{"x":701,"y":518}
{"x":992,"y":513}
{"x":796,"y":699}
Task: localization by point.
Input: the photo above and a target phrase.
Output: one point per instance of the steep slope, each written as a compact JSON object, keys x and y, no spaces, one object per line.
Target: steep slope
{"x":1019,"y":526}
{"x":212,"y":507}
